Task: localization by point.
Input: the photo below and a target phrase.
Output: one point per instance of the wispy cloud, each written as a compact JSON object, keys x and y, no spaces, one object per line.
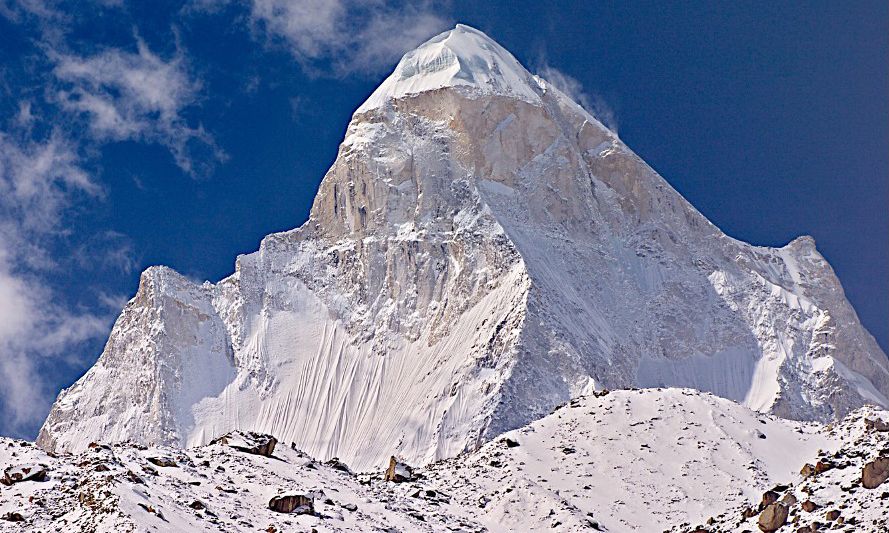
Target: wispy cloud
{"x":39,"y":184}
{"x":593,"y":103}
{"x":136,"y":96}
{"x":342,"y":37}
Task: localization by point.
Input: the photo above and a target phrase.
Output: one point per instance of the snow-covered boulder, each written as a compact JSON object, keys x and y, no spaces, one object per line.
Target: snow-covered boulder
{"x":248,"y":442}
{"x":24,"y":472}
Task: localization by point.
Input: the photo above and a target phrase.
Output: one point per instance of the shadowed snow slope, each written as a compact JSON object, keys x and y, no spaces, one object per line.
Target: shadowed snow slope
{"x":481,"y":250}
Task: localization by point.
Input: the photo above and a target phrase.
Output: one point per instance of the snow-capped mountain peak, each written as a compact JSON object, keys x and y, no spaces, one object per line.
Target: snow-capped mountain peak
{"x":462,"y":57}
{"x":481,"y":251}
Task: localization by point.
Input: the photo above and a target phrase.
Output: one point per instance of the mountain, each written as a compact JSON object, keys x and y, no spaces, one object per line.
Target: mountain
{"x":641,"y":460}
{"x":481,"y":250}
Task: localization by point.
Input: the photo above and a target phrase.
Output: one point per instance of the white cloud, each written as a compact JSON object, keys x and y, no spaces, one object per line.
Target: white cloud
{"x":595,"y":104}
{"x":346,"y":36}
{"x":39,"y":181}
{"x":135,"y":96}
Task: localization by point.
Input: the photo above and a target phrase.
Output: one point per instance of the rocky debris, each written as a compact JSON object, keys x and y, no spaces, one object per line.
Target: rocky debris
{"x":25,"y":472}
{"x":875,"y":473}
{"x":431,"y":495}
{"x":162,"y":461}
{"x":292,"y":502}
{"x":829,"y":495}
{"x":13,"y":516}
{"x":600,"y":393}
{"x":398,"y":471}
{"x":772,"y":517}
{"x":248,"y":442}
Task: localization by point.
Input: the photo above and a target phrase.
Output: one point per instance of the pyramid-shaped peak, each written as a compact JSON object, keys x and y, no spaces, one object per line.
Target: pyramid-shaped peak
{"x":462,"y":57}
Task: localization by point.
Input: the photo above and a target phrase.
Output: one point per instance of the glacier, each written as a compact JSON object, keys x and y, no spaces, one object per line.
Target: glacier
{"x":481,"y":251}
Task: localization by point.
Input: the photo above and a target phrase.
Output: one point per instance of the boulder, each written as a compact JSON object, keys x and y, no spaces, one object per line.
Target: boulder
{"x":248,"y":442}
{"x":336,"y":464}
{"x":807,"y":470}
{"x":809,"y":506}
{"x":13,"y":516}
{"x":832,"y":515}
{"x":26,"y":472}
{"x":789,"y":500}
{"x":772,"y":517}
{"x":768,"y":498}
{"x":398,"y":471}
{"x":162,"y":461}
{"x":875,"y":473}
{"x":292,"y":502}
{"x":823,"y":466}
{"x":510,"y":443}
{"x":876,"y":425}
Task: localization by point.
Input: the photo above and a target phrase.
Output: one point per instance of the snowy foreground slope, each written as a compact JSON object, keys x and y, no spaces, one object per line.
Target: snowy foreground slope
{"x":481,"y":250}
{"x":644,"y":460}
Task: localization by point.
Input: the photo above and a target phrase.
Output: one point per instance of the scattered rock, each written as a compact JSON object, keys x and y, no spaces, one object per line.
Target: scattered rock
{"x":809,"y":506}
{"x":510,"y":443}
{"x":772,"y":517}
{"x":292,"y":502}
{"x":875,"y":473}
{"x":26,"y":472}
{"x":336,"y":464}
{"x":768,"y":498}
{"x":351,"y":507}
{"x":12,"y":516}
{"x":808,"y":470}
{"x":197,"y":505}
{"x":248,"y":442}
{"x":876,"y":425}
{"x":163,"y":462}
{"x":398,"y":471}
{"x":789,"y":500}
{"x":832,"y":515}
{"x":823,"y":466}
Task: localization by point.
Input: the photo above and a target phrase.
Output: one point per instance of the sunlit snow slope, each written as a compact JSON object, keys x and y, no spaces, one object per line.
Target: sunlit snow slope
{"x":481,"y":250}
{"x":640,"y":460}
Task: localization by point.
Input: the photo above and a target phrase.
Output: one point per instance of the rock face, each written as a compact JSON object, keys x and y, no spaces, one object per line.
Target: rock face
{"x":481,"y":250}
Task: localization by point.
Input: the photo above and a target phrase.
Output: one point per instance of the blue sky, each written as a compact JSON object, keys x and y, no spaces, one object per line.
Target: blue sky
{"x":180,"y":133}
